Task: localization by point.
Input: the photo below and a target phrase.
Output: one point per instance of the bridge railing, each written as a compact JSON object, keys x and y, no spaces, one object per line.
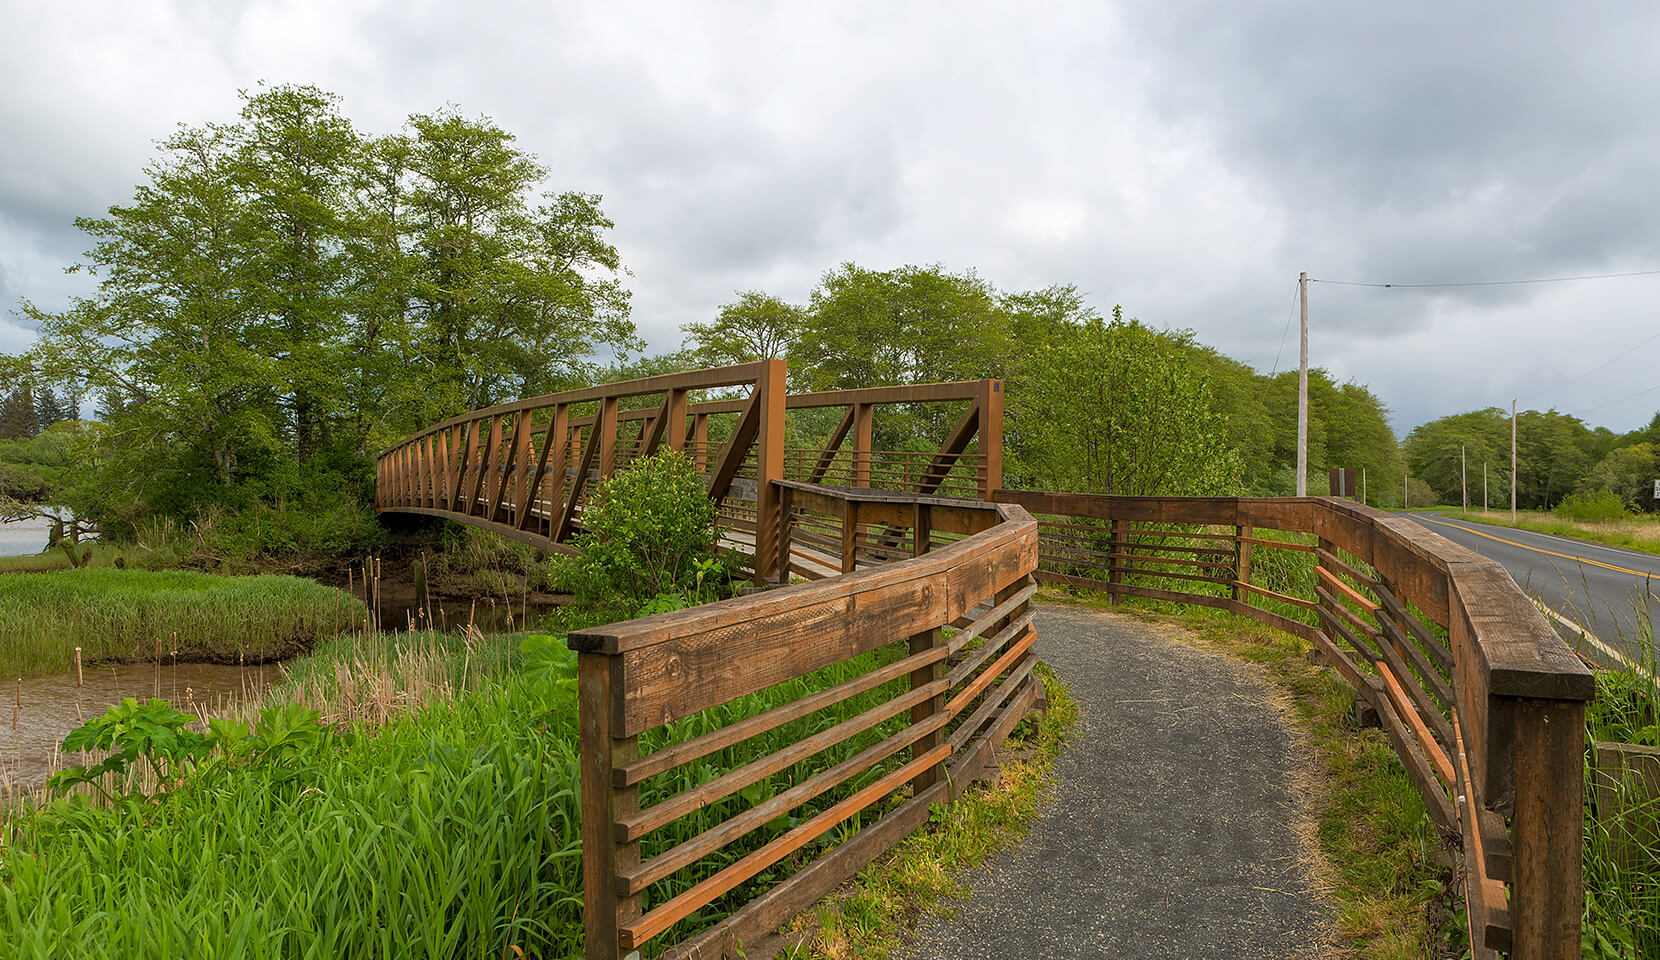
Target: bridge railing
{"x":525,"y":469}
{"x":924,"y":665}
{"x":1486,"y":709}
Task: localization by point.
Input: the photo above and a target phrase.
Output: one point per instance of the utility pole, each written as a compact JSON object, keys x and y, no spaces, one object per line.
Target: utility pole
{"x":1464,"y":478}
{"x":1405,"y":472}
{"x":1484,"y":486}
{"x":1302,"y":392}
{"x":1363,"y":486}
{"x":1512,"y":461}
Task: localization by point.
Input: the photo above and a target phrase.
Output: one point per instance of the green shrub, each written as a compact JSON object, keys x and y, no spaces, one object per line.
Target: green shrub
{"x":19,"y":482}
{"x":648,"y":530}
{"x":1591,"y":506}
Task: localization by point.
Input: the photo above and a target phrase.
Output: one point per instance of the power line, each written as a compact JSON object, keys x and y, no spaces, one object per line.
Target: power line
{"x":1492,"y":283}
{"x":1292,"y":313}
{"x":1623,"y":399}
{"x":1594,"y":369}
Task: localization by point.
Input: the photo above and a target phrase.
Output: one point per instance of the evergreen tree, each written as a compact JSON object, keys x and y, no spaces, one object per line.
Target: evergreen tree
{"x":18,"y":417}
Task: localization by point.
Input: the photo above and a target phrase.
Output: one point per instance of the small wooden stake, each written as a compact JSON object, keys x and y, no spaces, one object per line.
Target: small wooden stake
{"x":80,"y":678}
{"x":17,"y":708}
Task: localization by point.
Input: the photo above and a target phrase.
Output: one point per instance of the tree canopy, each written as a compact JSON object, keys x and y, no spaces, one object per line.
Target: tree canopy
{"x":284,"y":290}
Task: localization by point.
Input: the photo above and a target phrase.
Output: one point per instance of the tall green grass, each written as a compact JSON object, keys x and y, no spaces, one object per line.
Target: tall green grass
{"x":452,"y":834}
{"x":451,"y":830}
{"x":120,"y":615}
{"x":1622,"y":814}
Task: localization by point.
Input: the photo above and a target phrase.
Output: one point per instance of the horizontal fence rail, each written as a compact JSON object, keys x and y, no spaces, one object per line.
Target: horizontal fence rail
{"x":922,"y":665}
{"x":1481,"y":699}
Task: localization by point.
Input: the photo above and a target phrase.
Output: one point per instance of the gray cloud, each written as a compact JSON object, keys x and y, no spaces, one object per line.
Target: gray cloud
{"x":1185,"y":159}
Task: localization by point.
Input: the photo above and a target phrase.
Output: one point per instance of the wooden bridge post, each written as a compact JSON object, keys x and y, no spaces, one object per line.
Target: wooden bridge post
{"x":769,"y":464}
{"x":700,"y":441}
{"x":676,"y":432}
{"x":991,"y":437}
{"x":862,"y":430}
{"x":603,"y":804}
{"x":605,"y":433}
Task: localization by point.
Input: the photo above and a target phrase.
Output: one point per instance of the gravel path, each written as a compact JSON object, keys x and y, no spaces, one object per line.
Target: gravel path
{"x":1173,"y":829}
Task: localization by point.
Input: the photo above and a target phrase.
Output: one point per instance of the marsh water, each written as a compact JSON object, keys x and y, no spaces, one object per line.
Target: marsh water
{"x":24,"y":537}
{"x":46,"y":708}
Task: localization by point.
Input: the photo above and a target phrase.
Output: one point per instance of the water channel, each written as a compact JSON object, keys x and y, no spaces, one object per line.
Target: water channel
{"x":40,"y":710}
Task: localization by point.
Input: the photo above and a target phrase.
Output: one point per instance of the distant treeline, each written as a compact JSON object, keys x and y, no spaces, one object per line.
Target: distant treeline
{"x":284,"y":296}
{"x":1556,"y":455}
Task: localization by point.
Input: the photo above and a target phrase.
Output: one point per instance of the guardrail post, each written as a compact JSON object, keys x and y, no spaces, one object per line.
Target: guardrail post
{"x":1548,"y":897}
{"x":604,"y":912}
{"x":1242,"y":561}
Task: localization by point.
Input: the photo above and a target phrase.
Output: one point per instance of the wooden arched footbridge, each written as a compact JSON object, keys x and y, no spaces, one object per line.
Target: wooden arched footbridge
{"x":925,"y":555}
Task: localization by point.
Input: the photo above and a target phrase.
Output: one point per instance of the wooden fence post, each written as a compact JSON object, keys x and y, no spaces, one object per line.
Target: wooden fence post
{"x":920,"y":713}
{"x":769,"y":464}
{"x":1242,"y":561}
{"x":1117,"y":544}
{"x":604,"y":912}
{"x":1548,"y":896}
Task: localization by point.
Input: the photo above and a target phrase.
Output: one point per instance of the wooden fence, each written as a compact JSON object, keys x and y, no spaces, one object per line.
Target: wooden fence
{"x":942,"y":638}
{"x":1486,"y":709}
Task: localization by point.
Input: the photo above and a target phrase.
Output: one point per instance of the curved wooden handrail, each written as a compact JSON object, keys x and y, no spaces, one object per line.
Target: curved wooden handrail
{"x":640,"y":674}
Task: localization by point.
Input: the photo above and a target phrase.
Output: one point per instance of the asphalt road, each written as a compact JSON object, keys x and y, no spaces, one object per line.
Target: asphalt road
{"x":1603,"y":589}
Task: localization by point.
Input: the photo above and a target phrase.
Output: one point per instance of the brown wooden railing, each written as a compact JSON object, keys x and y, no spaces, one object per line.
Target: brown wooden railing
{"x":1486,"y":713}
{"x":950,"y":627}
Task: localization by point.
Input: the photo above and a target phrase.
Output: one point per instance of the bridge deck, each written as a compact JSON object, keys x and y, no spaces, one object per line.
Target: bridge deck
{"x":1176,"y":829}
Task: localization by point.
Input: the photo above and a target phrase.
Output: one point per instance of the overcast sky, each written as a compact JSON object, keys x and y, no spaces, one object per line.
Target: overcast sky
{"x":1185,"y":160}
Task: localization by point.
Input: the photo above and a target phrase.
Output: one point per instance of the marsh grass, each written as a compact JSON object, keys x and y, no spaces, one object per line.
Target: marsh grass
{"x":119,"y":616}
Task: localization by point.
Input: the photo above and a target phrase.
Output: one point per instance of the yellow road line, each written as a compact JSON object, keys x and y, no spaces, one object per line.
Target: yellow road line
{"x":1565,"y":556}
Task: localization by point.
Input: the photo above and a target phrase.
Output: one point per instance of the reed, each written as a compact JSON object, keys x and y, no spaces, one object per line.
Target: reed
{"x":117,"y":616}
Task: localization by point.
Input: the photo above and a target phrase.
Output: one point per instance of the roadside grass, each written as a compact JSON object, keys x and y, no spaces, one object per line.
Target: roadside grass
{"x":875,"y":914}
{"x":1393,"y":899}
{"x":120,"y":616}
{"x":1640,"y":533}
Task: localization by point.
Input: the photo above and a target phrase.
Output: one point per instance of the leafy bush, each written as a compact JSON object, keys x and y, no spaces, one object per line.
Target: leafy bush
{"x":649,"y":530}
{"x":161,"y":736}
{"x":1591,"y":506}
{"x":18,"y":482}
